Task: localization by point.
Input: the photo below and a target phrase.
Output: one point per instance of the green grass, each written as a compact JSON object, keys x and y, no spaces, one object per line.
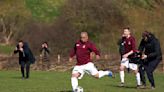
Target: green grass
{"x":10,"y":81}
{"x":6,"y":49}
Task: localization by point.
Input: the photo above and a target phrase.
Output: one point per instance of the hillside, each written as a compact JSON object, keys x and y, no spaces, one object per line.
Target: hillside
{"x":60,"y":21}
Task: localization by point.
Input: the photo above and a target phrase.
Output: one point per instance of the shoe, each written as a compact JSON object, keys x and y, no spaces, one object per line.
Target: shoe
{"x":152,"y":87}
{"x":27,"y":77}
{"x":23,"y":78}
{"x":111,"y":74}
{"x":141,"y":86}
{"x":122,"y":84}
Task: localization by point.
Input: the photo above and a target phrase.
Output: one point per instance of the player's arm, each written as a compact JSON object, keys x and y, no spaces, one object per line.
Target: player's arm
{"x":93,"y":48}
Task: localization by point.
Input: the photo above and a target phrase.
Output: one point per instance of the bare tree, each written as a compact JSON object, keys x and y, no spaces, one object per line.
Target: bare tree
{"x":9,"y":27}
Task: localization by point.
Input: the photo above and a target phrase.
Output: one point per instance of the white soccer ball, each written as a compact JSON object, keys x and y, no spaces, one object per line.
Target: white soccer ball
{"x":79,"y":89}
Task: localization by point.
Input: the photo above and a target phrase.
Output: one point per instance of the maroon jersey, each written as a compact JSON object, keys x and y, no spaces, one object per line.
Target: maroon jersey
{"x":82,"y":51}
{"x":129,"y":44}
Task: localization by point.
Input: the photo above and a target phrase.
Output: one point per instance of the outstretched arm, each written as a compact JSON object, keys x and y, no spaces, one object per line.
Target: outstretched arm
{"x":16,"y":50}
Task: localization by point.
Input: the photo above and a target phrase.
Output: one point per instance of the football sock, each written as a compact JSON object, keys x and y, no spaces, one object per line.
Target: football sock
{"x":122,"y":75}
{"x":138,"y":79}
{"x":74,"y":82}
{"x":103,"y":73}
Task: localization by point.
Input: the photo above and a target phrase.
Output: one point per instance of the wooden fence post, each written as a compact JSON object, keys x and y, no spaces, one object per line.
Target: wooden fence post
{"x":59,"y":58}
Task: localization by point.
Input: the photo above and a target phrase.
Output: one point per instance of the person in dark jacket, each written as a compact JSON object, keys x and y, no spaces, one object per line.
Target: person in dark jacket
{"x":121,"y":45}
{"x":44,"y":49}
{"x":152,"y":55}
{"x":25,"y":57}
{"x":44,"y":55}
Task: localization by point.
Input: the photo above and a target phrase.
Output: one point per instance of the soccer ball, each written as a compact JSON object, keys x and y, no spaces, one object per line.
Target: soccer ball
{"x":79,"y":89}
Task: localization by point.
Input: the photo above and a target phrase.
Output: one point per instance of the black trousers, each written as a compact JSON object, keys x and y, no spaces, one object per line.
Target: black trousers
{"x":25,"y":65}
{"x":149,"y":68}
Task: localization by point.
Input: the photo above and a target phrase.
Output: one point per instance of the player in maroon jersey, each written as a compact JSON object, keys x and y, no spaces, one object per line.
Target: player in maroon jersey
{"x":82,"y":50}
{"x":129,"y":48}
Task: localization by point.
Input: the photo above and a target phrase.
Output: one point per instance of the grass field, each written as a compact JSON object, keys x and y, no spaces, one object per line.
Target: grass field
{"x":10,"y":81}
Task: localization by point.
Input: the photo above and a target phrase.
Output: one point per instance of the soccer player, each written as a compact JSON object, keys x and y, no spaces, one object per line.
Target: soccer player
{"x":82,"y":51}
{"x":129,"y":48}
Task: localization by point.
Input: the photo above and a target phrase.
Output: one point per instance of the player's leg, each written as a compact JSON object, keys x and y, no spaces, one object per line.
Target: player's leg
{"x":138,"y":79}
{"x":134,"y":67}
{"x":122,"y":75}
{"x":142,"y":75}
{"x":94,"y":72}
{"x":101,"y":74}
{"x":74,"y":80}
{"x":124,"y":64}
{"x":76,"y":73}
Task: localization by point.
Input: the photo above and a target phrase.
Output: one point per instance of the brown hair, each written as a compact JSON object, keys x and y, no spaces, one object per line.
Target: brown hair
{"x":126,"y":28}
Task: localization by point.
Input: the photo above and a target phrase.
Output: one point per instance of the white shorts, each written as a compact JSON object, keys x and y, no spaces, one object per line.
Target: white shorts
{"x":125,"y":62}
{"x":88,"y":68}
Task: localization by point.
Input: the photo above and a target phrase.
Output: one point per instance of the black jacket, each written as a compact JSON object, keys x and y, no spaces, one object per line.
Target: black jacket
{"x":45,"y":51}
{"x":121,"y":46}
{"x":151,"y":48}
{"x":26,"y":55}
